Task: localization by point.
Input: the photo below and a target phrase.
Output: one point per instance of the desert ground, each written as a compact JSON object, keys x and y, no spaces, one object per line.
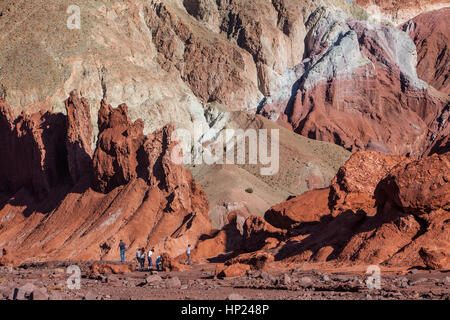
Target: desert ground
{"x":49,"y":280}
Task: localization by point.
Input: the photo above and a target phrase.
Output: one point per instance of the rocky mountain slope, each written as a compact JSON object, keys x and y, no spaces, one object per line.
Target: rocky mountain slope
{"x":358,"y":88}
{"x":69,"y":204}
{"x":226,"y":56}
{"x":331,"y":77}
{"x":383,"y":210}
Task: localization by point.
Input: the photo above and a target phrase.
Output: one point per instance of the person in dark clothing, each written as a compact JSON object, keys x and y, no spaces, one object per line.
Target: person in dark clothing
{"x":158,"y":263}
{"x":140,"y":256}
{"x":122,"y":247}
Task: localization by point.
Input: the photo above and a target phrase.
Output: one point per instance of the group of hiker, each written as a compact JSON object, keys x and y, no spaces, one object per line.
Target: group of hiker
{"x":141,"y":256}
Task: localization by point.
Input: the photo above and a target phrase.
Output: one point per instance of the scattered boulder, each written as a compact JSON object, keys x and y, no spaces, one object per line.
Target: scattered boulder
{"x":173,"y":283}
{"x":101,"y":268}
{"x":153,"y":279}
{"x":169,"y":264}
{"x":308,"y":207}
{"x":231,"y":271}
{"x":256,"y":260}
{"x":421,"y":186}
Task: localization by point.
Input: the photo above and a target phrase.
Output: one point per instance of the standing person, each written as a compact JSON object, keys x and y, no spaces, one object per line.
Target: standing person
{"x":150,"y":256}
{"x":188,"y":252}
{"x":140,"y":257}
{"x":158,"y":262}
{"x":122,"y":247}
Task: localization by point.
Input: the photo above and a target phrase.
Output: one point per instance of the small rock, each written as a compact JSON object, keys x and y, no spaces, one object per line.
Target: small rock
{"x":55,"y":295}
{"x":286,"y":280}
{"x":305,"y":280}
{"x":325,"y":277}
{"x":173,"y":283}
{"x":153,"y":279}
{"x":235,"y":296}
{"x":418,"y":281}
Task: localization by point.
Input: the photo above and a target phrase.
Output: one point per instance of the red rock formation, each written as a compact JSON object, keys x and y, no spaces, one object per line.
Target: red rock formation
{"x":256,"y":260}
{"x":361,"y":109}
{"x":115,"y":159}
{"x":435,"y":259}
{"x":430,"y":32}
{"x":358,"y":87}
{"x":257,"y":232}
{"x":169,"y":264}
{"x":228,"y":239}
{"x":421,"y":186}
{"x":308,"y":207}
{"x":33,"y":152}
{"x":79,"y":136}
{"x":379,"y":210}
{"x":231,"y":271}
{"x":145,"y":199}
{"x":353,"y":188}
{"x":399,"y":11}
{"x":99,"y":268}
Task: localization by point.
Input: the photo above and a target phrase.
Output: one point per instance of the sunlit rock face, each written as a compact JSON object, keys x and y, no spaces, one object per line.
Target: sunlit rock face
{"x":359,"y":88}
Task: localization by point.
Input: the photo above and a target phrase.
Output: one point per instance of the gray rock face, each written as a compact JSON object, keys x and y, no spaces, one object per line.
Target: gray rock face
{"x":340,"y":35}
{"x":397,"y":48}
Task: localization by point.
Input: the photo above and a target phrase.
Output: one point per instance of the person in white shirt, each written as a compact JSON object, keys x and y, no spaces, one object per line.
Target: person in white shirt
{"x":150,"y":264}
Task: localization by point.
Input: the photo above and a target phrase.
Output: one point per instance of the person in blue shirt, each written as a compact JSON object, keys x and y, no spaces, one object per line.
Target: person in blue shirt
{"x":122,"y":247}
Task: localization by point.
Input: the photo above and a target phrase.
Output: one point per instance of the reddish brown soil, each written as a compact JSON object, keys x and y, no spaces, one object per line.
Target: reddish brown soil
{"x":198,"y":284}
